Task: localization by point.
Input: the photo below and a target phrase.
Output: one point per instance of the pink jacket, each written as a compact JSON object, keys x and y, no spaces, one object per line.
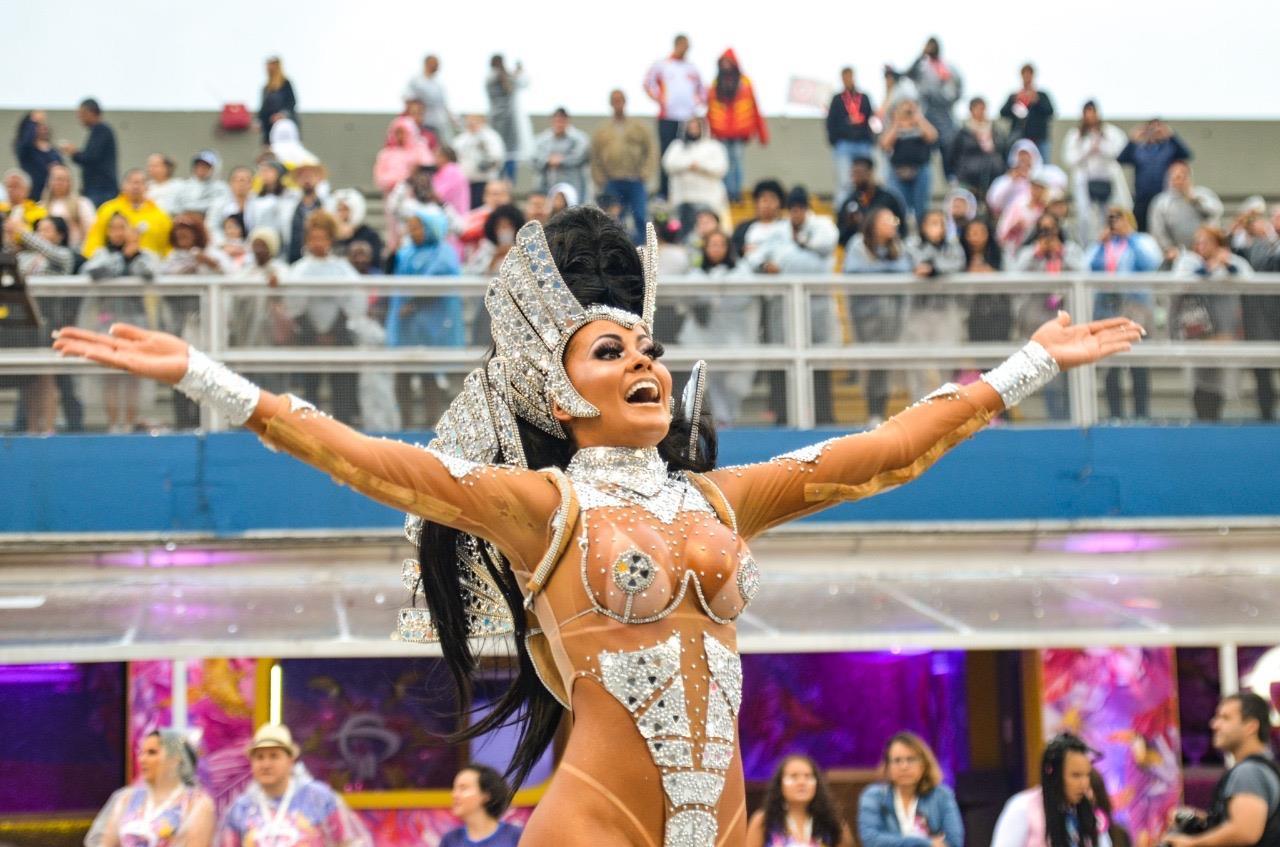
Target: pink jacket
{"x":405,"y":150}
{"x":451,"y":185}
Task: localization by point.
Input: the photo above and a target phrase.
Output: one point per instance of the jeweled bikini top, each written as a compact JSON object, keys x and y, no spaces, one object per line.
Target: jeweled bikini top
{"x":638,"y":571}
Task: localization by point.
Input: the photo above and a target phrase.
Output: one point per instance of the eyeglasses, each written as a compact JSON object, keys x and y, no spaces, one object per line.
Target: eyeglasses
{"x":904,"y":761}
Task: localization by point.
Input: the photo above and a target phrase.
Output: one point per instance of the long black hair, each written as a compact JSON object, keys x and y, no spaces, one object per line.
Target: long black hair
{"x":1055,"y":796}
{"x":600,"y":265}
{"x":827,"y":828}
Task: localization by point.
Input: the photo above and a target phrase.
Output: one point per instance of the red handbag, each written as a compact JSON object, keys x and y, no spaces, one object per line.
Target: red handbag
{"x":235,"y":117}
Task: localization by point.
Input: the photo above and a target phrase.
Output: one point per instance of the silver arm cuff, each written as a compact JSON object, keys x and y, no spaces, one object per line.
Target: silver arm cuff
{"x":216,"y":385}
{"x":1022,"y":374}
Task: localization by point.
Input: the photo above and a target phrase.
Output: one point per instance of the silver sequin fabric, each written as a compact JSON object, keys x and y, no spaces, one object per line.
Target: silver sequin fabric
{"x":605,"y":477}
{"x":1022,"y":374}
{"x":217,"y":386}
{"x":533,"y":316}
{"x":650,"y":684}
{"x":632,"y":678}
{"x":691,"y":828}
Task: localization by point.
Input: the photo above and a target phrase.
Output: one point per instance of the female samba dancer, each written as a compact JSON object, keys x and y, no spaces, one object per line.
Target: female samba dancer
{"x":559,"y":503}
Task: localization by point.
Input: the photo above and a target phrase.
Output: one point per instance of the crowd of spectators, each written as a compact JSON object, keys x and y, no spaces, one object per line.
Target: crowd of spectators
{"x":447,"y":187}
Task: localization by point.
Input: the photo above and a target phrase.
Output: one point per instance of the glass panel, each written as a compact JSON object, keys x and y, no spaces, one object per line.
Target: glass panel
{"x":867,"y":396}
{"x":1186,"y":394}
{"x":717,"y":318}
{"x":741,"y":395}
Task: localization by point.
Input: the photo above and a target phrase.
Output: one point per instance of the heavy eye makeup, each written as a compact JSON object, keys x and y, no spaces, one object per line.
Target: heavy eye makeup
{"x":611,"y":347}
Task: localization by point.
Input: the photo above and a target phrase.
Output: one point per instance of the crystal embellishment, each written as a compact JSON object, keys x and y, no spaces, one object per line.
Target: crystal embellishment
{"x":668,"y":715}
{"x":534,"y":314}
{"x":634,"y":571}
{"x":1022,"y":374}
{"x":410,"y":574}
{"x":217,"y":386}
{"x":691,"y":828}
{"x":726,"y":669}
{"x":748,"y":577}
{"x":725,"y":695}
{"x":617,"y":477}
{"x":633,"y":678}
{"x":693,"y":788}
{"x":673,"y":754}
{"x":808,"y":454}
{"x":717,"y":756}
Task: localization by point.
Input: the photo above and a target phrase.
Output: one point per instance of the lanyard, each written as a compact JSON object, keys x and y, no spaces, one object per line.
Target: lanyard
{"x":853,"y":107}
{"x":150,"y":813}
{"x":273,"y":821}
{"x":1112,"y":250}
{"x":141,"y":828}
{"x":806,"y":832}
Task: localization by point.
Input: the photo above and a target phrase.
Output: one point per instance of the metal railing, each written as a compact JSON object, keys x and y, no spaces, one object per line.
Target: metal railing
{"x":793,"y":352}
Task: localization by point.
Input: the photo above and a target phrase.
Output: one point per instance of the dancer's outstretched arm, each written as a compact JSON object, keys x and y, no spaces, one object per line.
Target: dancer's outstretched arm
{"x":856,"y":466}
{"x":510,"y":507}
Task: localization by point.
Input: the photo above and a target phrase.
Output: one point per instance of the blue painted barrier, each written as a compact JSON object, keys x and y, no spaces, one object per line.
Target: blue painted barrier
{"x":227,"y":483}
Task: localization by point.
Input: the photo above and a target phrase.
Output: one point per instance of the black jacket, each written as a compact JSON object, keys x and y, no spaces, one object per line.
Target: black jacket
{"x":1033,"y":127}
{"x":280,"y":100}
{"x":97,"y":161}
{"x":839,"y":125}
{"x":853,"y":211}
{"x":974,"y":167}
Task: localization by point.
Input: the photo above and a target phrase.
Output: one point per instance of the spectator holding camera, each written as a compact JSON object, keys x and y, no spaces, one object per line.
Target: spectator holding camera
{"x":909,"y":143}
{"x":481,"y":153}
{"x":1246,"y":801}
{"x":1152,"y":148}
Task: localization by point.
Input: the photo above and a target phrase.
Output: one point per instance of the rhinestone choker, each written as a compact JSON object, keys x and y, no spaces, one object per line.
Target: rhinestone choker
{"x":637,"y":469}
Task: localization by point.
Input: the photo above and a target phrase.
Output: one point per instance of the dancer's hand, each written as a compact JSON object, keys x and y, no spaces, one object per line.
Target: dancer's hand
{"x":1079,"y":344}
{"x":155,"y":355}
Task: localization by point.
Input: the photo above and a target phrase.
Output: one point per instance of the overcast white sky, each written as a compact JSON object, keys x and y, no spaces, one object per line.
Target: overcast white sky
{"x":1174,"y":58}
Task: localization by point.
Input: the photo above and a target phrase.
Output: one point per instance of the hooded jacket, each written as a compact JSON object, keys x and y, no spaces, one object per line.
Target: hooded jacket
{"x":1005,"y":189}
{"x":396,"y":160}
{"x":151,"y":221}
{"x":737,"y":118}
{"x":432,"y":321}
{"x":355,"y":203}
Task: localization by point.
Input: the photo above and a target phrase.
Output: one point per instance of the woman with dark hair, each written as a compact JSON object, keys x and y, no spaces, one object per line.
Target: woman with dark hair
{"x":909,"y":807}
{"x":990,"y":315}
{"x":877,"y":318}
{"x":798,"y":811}
{"x":34,"y":149}
{"x":165,"y":808}
{"x":1106,"y":816}
{"x":500,"y":229}
{"x":1057,"y":812}
{"x":43,"y":251}
{"x":121,"y":255}
{"x":725,"y":320}
{"x":480,"y":796}
{"x":619,"y":568}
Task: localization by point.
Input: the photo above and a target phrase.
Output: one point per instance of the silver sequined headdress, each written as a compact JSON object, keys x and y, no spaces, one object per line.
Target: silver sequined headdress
{"x":534,"y":315}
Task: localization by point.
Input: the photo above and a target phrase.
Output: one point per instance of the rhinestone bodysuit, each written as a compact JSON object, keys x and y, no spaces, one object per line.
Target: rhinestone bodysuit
{"x":641,"y":606}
